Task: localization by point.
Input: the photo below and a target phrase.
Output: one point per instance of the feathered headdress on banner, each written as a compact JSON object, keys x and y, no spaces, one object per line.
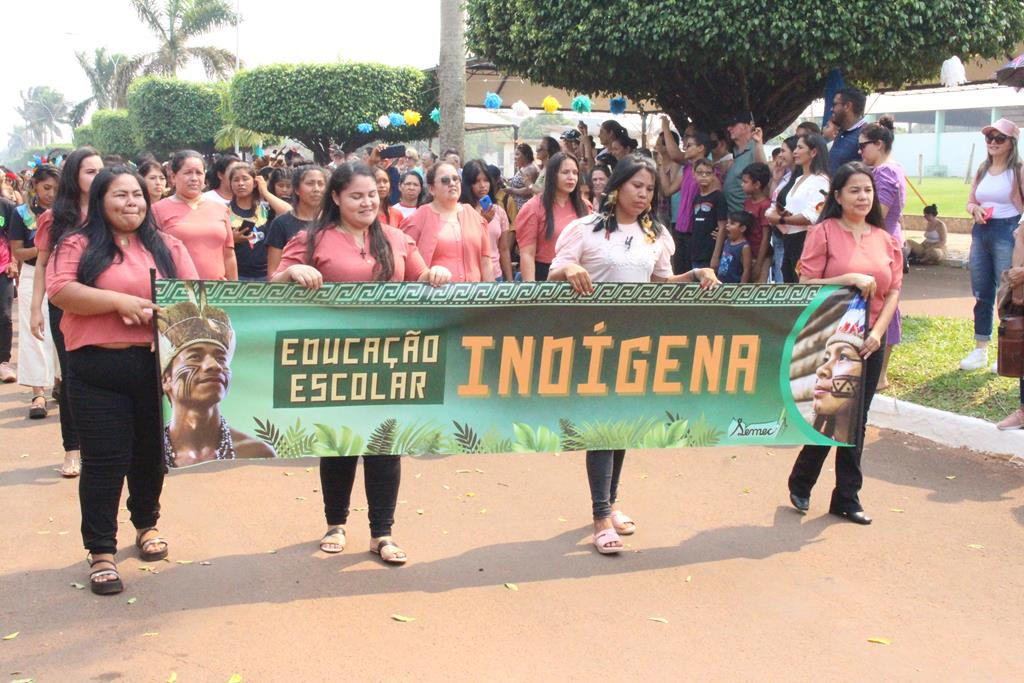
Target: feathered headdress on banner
{"x":851,"y":326}
{"x":191,"y":322}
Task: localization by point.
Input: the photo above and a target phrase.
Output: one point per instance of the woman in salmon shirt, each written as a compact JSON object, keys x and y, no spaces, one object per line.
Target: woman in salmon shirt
{"x":448,"y":233}
{"x":542,"y":219}
{"x":100,"y":276}
{"x":348,"y":243}
{"x":203,"y":224}
{"x":850,"y":247}
{"x":68,"y":213}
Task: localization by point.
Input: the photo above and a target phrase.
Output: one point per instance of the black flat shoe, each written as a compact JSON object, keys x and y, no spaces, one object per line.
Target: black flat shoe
{"x":857,"y":517}
{"x":801,"y":504}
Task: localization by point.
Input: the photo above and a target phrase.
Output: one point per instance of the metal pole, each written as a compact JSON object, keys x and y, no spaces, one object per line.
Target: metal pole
{"x":238,"y":41}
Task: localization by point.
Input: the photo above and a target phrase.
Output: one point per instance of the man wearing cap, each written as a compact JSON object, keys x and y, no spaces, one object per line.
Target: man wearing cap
{"x":571,"y":142}
{"x":748,"y":147}
{"x":848,"y":115}
{"x":196,"y":346}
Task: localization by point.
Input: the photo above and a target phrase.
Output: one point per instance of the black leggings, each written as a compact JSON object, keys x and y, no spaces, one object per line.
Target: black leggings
{"x":6,"y":307}
{"x":603,"y":471}
{"x":68,"y":432}
{"x":849,"y":477}
{"x":382,"y":475}
{"x":115,"y":394}
{"x":540,"y":271}
{"x":681,"y":257}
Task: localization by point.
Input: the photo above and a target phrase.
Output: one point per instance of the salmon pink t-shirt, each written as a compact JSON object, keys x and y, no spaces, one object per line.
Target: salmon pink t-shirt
{"x":831,"y":251}
{"x":460,"y":244}
{"x":128,"y":276}
{"x":338,"y":257}
{"x":44,"y":226}
{"x":205,"y":231}
{"x":531,"y":227}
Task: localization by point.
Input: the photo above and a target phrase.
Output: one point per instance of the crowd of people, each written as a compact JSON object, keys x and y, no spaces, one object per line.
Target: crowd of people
{"x":708,"y":207}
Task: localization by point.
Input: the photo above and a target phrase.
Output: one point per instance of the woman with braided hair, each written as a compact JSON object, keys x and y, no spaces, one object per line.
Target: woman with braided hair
{"x":622,"y":242}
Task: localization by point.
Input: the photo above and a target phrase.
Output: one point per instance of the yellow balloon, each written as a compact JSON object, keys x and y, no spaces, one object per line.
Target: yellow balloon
{"x":411,"y":117}
{"x":550,"y":104}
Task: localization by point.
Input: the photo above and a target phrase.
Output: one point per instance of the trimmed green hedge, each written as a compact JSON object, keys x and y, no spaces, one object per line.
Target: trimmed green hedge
{"x":169,"y":114}
{"x":113,"y":133}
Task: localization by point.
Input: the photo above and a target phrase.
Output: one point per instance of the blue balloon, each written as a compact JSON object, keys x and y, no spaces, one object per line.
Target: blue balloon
{"x":396,"y":119}
{"x":365,"y":128}
{"x":617,"y":105}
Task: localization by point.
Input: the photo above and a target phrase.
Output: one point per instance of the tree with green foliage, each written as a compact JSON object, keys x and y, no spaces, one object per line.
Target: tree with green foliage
{"x":43,"y":109}
{"x":109,"y":77}
{"x":322,"y":104}
{"x":83,"y":135}
{"x":169,"y":114}
{"x":113,"y":133}
{"x":175,"y":22}
{"x":230,"y":133}
{"x":704,"y":59}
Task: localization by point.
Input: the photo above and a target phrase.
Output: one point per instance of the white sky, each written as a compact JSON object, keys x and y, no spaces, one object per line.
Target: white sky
{"x":42,"y":50}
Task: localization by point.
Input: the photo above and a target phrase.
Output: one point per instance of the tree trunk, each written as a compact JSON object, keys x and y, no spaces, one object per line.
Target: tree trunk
{"x":451,"y":75}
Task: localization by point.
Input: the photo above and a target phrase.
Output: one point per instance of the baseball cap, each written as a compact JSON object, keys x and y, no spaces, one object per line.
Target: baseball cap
{"x":740,"y":117}
{"x":1004,"y":126}
{"x":571,"y":134}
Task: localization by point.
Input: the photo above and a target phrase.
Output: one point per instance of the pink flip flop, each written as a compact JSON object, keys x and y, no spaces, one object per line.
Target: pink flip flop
{"x":622,"y":523}
{"x":603,"y":539}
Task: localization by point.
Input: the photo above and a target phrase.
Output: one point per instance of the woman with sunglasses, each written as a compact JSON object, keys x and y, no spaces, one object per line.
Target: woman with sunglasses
{"x":996,"y":203}
{"x":448,"y":233}
{"x":875,"y":147}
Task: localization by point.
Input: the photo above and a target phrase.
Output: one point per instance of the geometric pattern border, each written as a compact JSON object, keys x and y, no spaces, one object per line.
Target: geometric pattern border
{"x":219,"y":292}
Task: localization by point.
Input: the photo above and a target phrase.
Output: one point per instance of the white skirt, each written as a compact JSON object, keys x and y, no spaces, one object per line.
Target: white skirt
{"x":37,"y":360}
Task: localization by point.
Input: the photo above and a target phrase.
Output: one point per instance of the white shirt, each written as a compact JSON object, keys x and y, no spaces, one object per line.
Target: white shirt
{"x":213,"y":194}
{"x":807,"y":198}
{"x":996,"y":192}
{"x":625,"y":255}
{"x":406,"y":211}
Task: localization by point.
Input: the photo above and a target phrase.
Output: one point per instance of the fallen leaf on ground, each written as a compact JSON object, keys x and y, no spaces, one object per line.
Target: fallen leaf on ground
{"x":951,"y":477}
{"x":173,"y":678}
{"x":446,"y":487}
{"x":205,"y":563}
{"x":287,"y":474}
{"x":359,"y":509}
{"x":42,"y":532}
{"x":746,"y":489}
{"x":462,"y":471}
{"x":975,"y":546}
{"x":880,"y":641}
{"x":402,"y":618}
{"x":235,"y":678}
{"x":896,"y":510}
{"x":309,"y":469}
{"x":150,"y":634}
{"x":23,"y":680}
{"x":271,"y":552}
{"x":23,"y":455}
{"x":479,"y":470}
{"x":147,"y":568}
{"x":417,"y":475}
{"x":300,"y":498}
{"x":511,"y":586}
{"x":11,"y":636}
{"x":688,"y":579}
{"x":483,"y":511}
{"x":75,"y":584}
{"x":419,"y":511}
{"x":643,"y":476}
{"x":183,"y":561}
{"x":132,"y":601}
{"x":660,"y":620}
{"x":470,"y":494}
{"x":562,"y":519}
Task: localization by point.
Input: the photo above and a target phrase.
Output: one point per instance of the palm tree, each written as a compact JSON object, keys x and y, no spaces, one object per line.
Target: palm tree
{"x":109,"y":77}
{"x":43,"y":108}
{"x":175,"y":22}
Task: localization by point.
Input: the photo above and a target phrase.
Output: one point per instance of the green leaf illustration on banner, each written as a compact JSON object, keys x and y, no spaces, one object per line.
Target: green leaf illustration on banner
{"x":419,"y":438}
{"x":382,"y":441}
{"x":296,"y":442}
{"x":466,"y":438}
{"x":528,"y":441}
{"x":589,"y":436}
{"x":344,"y":442}
{"x":667,"y":435}
{"x":493,"y":442}
{"x":703,"y":434}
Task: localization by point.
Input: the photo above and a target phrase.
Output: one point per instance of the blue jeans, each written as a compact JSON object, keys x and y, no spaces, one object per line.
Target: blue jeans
{"x":777,"y":255}
{"x":991,"y":254}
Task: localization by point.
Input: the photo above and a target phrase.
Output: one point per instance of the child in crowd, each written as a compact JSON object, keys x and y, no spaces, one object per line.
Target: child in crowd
{"x":735,"y":265}
{"x":709,"y":211}
{"x":756,"y":182}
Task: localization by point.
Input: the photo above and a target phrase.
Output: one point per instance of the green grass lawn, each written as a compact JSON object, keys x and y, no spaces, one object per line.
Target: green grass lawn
{"x":924,"y":369}
{"x":950,"y":194}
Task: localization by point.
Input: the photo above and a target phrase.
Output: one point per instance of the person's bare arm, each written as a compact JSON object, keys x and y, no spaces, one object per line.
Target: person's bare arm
{"x":671,"y":146}
{"x":505,"y":254}
{"x":747,"y":268}
{"x":230,"y":264}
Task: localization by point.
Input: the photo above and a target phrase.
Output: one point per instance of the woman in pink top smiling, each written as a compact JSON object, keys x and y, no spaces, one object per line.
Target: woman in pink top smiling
{"x":542,"y":219}
{"x":349,"y":244}
{"x":99,"y":275}
{"x":850,"y":247}
{"x":203,"y":224}
{"x":448,"y":233}
{"x":476,"y":184}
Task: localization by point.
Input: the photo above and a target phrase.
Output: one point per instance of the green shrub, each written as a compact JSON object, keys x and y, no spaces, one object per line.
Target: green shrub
{"x":169,"y":114}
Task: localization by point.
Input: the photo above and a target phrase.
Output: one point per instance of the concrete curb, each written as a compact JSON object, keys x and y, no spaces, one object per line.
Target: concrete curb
{"x":948,"y":429}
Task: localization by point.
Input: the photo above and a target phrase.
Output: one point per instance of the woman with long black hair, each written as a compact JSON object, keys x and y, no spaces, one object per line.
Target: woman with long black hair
{"x":850,"y":247}
{"x":349,"y":244}
{"x":542,"y":219}
{"x":622,"y":242}
{"x":99,"y":275}
{"x":308,"y":183}
{"x":478,"y":183}
{"x":68,"y":213}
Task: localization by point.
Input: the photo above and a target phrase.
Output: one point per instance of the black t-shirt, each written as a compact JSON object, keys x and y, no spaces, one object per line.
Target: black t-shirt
{"x":283,"y":228}
{"x":23,"y":227}
{"x":708,"y":210}
{"x":7,"y":209}
{"x":251,"y":255}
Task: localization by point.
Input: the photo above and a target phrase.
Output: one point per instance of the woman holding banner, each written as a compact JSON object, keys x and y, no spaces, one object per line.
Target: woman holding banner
{"x":348,"y":243}
{"x":849,"y":247}
{"x":99,"y":276}
{"x":622,"y":242}
{"x":542,"y":219}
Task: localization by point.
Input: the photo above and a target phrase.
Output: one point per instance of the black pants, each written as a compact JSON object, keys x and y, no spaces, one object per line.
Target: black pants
{"x":68,"y":432}
{"x":6,"y":308}
{"x":603,"y":471}
{"x":681,"y":258}
{"x":381,"y":476}
{"x":540,"y":271}
{"x":792,"y":250}
{"x":115,"y":395}
{"x":849,"y":477}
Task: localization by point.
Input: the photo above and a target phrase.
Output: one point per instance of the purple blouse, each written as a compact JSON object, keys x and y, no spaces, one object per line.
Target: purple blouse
{"x":891,"y":185}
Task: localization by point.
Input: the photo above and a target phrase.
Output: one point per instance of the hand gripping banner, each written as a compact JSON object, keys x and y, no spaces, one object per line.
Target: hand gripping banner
{"x":259,"y":370}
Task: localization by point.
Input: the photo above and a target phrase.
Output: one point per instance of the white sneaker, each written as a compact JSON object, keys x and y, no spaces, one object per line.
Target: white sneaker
{"x":995,"y":368}
{"x":975,"y":360}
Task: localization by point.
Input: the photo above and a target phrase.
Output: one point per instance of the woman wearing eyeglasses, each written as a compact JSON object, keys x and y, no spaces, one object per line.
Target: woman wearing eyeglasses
{"x":448,"y":233}
{"x":996,"y":203}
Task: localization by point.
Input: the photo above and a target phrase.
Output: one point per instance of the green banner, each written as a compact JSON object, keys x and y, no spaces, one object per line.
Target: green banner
{"x":254,"y":369}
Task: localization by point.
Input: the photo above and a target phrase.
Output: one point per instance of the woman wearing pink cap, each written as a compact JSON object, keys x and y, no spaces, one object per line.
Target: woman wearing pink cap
{"x":996,"y":203}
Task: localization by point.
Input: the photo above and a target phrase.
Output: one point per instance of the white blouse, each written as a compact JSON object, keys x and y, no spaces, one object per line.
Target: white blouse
{"x":807,"y":198}
{"x":625,"y":255}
